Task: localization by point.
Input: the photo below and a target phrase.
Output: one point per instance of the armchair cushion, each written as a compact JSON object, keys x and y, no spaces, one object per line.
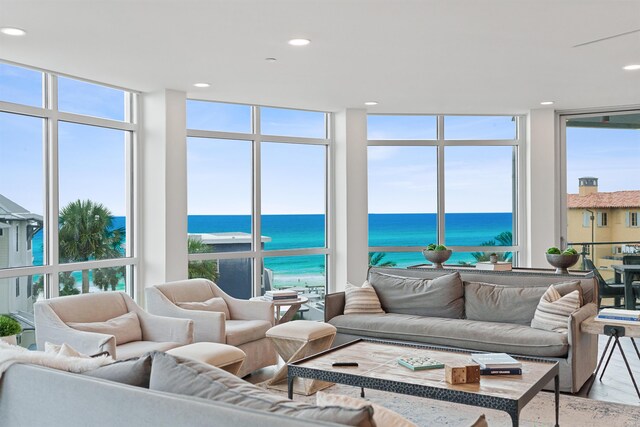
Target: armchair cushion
{"x":214,"y":304}
{"x":126,"y":328}
{"x":239,"y":332}
{"x":136,"y":348}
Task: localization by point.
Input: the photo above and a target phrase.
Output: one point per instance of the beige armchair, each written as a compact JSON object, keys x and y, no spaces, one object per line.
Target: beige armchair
{"x":245,"y":328}
{"x":93,"y":323}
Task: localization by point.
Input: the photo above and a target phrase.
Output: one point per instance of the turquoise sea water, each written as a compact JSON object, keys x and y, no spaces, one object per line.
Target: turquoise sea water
{"x":308,"y":231}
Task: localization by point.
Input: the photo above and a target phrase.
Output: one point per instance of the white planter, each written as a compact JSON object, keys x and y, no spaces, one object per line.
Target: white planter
{"x":11,"y":339}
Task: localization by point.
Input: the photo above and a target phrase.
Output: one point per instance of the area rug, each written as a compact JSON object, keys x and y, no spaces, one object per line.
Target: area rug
{"x":574,"y":411}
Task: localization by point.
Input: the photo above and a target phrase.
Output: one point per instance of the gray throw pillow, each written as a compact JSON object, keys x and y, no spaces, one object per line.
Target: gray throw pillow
{"x":181,"y":376}
{"x":135,"y":372}
{"x":439,"y":297}
{"x":488,"y":302}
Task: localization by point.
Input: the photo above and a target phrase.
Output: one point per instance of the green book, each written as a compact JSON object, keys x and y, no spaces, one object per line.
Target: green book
{"x":420,"y":363}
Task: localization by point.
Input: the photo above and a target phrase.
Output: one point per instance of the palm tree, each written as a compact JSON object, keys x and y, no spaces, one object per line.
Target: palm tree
{"x":375,"y":259}
{"x":503,"y":239}
{"x":207,"y":269}
{"x":86,"y":233}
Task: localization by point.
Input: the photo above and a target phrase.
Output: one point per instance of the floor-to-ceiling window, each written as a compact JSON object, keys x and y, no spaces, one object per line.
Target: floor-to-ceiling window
{"x":257,"y":197}
{"x":602,"y":158}
{"x":66,"y":187}
{"x":450,"y":180}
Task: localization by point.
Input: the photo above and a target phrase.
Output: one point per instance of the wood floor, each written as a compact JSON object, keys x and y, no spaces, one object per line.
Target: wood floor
{"x":616,"y":385}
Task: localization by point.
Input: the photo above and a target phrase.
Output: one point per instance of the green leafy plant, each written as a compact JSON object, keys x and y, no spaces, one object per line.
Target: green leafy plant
{"x":434,"y":247}
{"x":9,"y":326}
{"x":377,"y":259}
{"x":554,"y":251}
{"x":570,"y":251}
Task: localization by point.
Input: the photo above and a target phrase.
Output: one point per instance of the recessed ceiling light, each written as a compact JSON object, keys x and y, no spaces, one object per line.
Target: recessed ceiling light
{"x":270,"y":59}
{"x":201,"y":84}
{"x":299,"y":42}
{"x":546,"y":103}
{"x":631,"y":67}
{"x":11,"y":31}
{"x":371,"y":103}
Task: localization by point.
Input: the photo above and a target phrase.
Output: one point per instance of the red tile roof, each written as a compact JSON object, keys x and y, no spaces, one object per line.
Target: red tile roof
{"x":615,"y":199}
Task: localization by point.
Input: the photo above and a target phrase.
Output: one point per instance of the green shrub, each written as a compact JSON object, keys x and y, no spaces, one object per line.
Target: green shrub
{"x":570,"y":251}
{"x":441,"y":248}
{"x":9,"y":326}
{"x":554,"y":251}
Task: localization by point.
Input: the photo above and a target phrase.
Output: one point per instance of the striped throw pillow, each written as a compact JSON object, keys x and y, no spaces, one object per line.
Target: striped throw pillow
{"x":554,"y":310}
{"x":362,"y":300}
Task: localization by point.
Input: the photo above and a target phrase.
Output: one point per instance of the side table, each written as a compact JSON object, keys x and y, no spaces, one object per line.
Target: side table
{"x":615,"y":331}
{"x":294,"y":306}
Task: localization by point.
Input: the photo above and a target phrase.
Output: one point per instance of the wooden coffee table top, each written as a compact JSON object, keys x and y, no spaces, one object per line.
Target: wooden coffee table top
{"x":379,"y":360}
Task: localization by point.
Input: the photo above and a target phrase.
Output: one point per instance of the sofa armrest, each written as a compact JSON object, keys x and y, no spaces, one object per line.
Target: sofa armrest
{"x":333,"y":305}
{"x":165,"y":329}
{"x":583,"y":347}
{"x":50,"y":328}
{"x":208,"y":326}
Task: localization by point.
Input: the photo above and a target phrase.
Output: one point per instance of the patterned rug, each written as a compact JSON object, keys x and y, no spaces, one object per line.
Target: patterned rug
{"x":574,"y":411}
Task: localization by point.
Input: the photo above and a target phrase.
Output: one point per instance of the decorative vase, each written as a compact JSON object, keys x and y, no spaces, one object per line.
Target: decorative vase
{"x":437,"y":257}
{"x":11,"y":339}
{"x":493,"y":259}
{"x":562,"y":262}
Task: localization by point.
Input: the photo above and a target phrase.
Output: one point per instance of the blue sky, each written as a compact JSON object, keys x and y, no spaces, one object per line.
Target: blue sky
{"x":401,"y":179}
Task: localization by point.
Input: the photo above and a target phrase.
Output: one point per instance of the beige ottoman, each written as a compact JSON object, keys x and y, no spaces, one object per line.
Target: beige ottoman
{"x":223,"y":356}
{"x":294,"y":341}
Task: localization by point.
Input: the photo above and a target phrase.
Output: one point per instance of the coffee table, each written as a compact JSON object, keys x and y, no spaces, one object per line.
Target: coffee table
{"x":378,"y":369}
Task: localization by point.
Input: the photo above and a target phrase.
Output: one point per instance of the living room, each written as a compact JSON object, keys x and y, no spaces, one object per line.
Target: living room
{"x":281,"y":145}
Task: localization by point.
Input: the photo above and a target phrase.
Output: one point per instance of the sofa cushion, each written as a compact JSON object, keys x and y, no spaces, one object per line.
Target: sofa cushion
{"x":189,"y":378}
{"x":382,"y":416}
{"x":213,"y":304}
{"x":554,"y":310}
{"x":135,"y":372}
{"x":138,"y":348}
{"x":359,"y":300}
{"x":239,"y":332}
{"x":459,"y":333}
{"x":509,"y":304}
{"x":126,"y":328}
{"x":439,"y":297}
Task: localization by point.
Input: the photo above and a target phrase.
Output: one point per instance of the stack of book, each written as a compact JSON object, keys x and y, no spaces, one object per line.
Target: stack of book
{"x":497,"y":364}
{"x":283,"y":295}
{"x":494,"y":266}
{"x":612,"y":315}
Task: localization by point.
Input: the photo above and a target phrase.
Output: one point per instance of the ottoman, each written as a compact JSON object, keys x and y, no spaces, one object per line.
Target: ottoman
{"x":294,"y":341}
{"x":223,"y":356}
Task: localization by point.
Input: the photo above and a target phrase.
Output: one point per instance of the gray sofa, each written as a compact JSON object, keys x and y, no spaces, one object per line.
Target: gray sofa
{"x":487,"y":311}
{"x":35,"y":396}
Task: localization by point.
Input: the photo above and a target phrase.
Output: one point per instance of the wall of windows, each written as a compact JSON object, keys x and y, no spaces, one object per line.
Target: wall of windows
{"x":66,"y":187}
{"x":451,"y":180}
{"x":257,"y":197}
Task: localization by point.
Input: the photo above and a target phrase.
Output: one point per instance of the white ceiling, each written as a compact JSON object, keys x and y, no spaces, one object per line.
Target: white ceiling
{"x":455,"y":56}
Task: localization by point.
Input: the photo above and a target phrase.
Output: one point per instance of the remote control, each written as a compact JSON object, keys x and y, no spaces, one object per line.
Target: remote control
{"x":339,"y":364}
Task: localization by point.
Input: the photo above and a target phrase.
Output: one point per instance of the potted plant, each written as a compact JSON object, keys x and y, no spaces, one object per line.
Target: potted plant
{"x":493,"y":258}
{"x":437,"y":254}
{"x":562,"y":260}
{"x":9,"y":328}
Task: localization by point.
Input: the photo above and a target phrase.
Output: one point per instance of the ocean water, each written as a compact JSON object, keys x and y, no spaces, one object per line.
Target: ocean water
{"x":308,"y":231}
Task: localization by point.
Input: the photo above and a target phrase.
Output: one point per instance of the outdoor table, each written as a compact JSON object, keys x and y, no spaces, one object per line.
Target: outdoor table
{"x":627,"y":271}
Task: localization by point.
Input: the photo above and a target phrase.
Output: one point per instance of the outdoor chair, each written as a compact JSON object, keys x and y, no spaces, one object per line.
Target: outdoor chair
{"x":218,"y":318}
{"x":108,"y":321}
{"x":606,"y":290}
{"x":633,"y":260}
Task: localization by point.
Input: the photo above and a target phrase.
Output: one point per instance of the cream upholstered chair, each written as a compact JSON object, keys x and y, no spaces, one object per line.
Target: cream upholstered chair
{"x":109,"y":321}
{"x":245,"y":328}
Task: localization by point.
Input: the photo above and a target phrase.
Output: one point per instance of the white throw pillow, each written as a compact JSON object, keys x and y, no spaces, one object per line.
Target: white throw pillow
{"x":214,"y":304}
{"x":64,"y":350}
{"x":125,"y":328}
{"x":381,"y":415}
{"x":363,"y":300}
{"x":554,"y":310}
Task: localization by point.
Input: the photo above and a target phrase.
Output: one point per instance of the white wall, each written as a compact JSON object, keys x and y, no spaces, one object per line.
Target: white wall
{"x":163,"y":196}
{"x":351,"y":202}
{"x":542,"y":177}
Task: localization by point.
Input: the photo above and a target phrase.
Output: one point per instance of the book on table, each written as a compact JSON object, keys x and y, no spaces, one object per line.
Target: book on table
{"x":495,"y":361}
{"x":281,"y":295}
{"x":494,"y":266}
{"x":419,"y":363}
{"x":617,"y":315}
{"x":501,"y":371}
